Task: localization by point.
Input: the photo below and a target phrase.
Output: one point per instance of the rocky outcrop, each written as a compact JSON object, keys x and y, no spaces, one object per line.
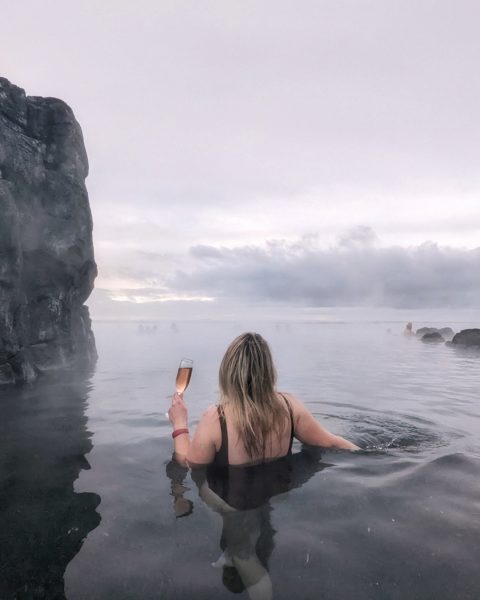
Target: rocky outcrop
{"x":47,"y":267}
{"x":434,"y":336}
{"x":467,"y":337}
{"x":423,"y":330}
{"x":446,"y":333}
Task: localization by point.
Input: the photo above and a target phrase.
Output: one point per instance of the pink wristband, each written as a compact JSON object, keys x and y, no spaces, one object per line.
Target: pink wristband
{"x":179,"y":432}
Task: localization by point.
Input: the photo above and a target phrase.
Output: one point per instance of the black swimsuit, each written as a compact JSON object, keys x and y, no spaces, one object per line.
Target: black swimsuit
{"x":248,"y":486}
{"x":221,"y":457}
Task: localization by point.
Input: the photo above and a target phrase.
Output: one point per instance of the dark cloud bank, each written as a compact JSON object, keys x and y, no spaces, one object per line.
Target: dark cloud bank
{"x":354,"y":273}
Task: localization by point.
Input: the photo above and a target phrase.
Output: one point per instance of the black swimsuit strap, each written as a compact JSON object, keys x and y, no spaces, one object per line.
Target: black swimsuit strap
{"x":292,"y":423}
{"x":222,"y":455}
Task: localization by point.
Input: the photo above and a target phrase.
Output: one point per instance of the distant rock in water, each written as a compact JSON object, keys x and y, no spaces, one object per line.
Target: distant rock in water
{"x":467,"y":337}
{"x":47,"y":267}
{"x":445,"y":332}
{"x":423,"y":330}
{"x":434,"y":336}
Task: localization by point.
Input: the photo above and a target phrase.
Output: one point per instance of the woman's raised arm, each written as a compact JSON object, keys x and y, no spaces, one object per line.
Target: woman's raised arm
{"x":200,"y":450}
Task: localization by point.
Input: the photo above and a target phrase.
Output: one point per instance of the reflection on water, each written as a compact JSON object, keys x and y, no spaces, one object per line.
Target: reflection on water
{"x":241,"y":496}
{"x":177,"y":474}
{"x":43,"y":522}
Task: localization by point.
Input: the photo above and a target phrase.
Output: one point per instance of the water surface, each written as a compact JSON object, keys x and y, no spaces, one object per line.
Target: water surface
{"x":90,"y":498}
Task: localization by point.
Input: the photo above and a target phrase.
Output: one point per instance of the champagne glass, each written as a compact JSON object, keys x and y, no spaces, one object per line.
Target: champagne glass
{"x":183,"y":375}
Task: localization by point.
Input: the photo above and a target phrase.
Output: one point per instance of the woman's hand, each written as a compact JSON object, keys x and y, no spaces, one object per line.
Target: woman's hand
{"x":178,"y":413}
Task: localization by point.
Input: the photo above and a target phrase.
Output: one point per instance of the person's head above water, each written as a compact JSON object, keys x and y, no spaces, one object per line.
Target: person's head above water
{"x":247,"y":381}
{"x":247,"y":368}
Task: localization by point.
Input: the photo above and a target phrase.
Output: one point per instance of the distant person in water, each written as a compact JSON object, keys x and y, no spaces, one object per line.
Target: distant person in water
{"x":408,"y":329}
{"x":253,"y":422}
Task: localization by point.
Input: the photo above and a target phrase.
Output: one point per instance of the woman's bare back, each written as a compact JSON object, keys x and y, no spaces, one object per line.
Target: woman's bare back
{"x":276,"y":446}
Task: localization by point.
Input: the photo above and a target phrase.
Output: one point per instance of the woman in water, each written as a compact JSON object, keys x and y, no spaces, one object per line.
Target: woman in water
{"x":253,"y":422}
{"x":245,"y":443}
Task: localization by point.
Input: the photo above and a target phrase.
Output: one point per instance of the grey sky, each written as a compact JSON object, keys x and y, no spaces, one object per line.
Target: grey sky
{"x":234,"y":125}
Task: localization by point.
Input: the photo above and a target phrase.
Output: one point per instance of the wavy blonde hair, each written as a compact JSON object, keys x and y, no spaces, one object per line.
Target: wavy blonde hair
{"x":247,"y":379}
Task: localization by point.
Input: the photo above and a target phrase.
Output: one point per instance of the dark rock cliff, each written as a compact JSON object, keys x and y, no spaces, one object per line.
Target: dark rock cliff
{"x":47,"y":267}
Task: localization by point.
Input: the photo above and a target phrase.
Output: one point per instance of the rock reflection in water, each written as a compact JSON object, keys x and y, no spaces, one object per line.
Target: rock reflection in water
{"x":241,"y":495}
{"x":43,"y":522}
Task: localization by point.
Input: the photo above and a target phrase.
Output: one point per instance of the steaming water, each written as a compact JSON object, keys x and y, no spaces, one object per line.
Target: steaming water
{"x":399,"y":520}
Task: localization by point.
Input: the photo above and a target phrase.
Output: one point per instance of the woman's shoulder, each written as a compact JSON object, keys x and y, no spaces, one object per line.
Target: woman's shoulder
{"x":211,"y":414}
{"x":290,"y":398}
{"x":208,"y":427}
{"x":296,"y":406}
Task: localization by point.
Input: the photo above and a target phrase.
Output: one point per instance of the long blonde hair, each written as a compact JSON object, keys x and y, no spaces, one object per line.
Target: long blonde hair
{"x":247,"y":379}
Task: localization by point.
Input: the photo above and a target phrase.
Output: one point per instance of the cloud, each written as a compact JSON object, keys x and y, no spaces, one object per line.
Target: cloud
{"x":352,"y":273}
{"x":361,"y":236}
